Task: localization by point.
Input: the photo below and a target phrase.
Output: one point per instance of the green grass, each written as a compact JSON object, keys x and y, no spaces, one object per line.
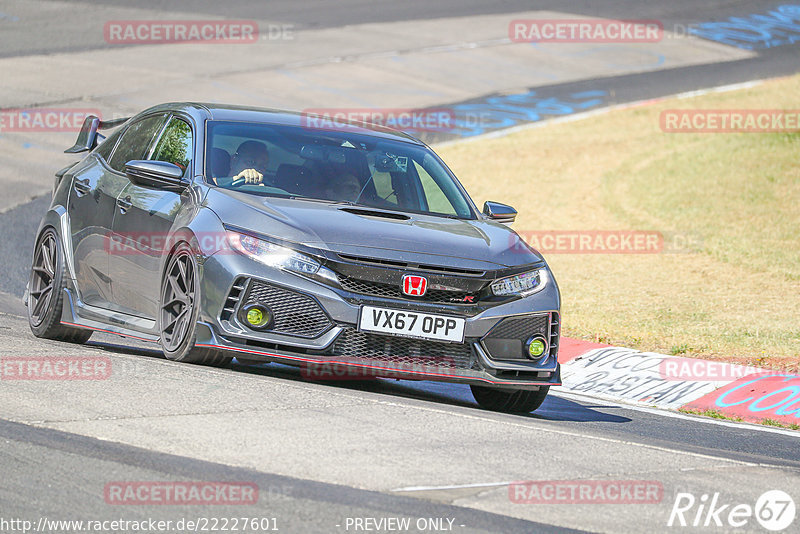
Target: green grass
{"x":716,"y":414}
{"x":733,"y":293}
{"x":683,"y":348}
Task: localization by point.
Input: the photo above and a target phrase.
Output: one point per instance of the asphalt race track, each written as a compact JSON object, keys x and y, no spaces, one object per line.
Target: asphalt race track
{"x":324,"y":455}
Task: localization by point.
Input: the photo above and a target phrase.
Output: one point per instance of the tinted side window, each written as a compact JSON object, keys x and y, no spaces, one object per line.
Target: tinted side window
{"x":107,"y":145}
{"x":175,"y":145}
{"x":135,"y":141}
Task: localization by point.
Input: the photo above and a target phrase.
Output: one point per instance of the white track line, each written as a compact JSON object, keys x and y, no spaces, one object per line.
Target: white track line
{"x":455,"y":486}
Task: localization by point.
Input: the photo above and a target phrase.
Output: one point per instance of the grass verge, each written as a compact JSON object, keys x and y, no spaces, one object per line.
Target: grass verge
{"x":715,"y":414}
{"x":729,"y":288}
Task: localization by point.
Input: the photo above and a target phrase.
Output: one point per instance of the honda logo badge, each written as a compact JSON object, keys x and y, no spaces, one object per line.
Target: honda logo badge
{"x":414,"y":286}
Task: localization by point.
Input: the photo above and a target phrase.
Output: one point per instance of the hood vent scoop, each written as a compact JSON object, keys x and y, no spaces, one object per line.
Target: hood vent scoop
{"x":375,"y":213}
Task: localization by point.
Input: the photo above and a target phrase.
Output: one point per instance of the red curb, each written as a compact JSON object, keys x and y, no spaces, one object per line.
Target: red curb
{"x":569,"y":349}
{"x":753,"y":398}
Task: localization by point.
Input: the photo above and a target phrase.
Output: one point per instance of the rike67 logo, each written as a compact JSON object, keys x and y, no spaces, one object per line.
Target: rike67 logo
{"x":774,"y":510}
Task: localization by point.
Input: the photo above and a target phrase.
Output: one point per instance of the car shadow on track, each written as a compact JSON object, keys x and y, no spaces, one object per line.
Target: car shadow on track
{"x":554,"y":408}
{"x":150,"y":350}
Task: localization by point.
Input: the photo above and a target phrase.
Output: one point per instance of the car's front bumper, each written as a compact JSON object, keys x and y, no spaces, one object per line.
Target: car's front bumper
{"x":336,"y":349}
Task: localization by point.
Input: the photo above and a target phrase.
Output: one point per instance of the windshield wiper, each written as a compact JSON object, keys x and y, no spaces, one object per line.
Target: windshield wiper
{"x":313,"y":199}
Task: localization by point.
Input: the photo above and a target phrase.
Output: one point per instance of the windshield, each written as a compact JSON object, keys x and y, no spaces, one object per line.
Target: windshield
{"x":355,"y":168}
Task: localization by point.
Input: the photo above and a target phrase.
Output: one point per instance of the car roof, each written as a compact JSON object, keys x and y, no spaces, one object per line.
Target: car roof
{"x":228,"y":112}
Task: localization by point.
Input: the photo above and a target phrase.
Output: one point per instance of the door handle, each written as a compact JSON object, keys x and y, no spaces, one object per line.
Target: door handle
{"x":81,"y":187}
{"x":124,"y":204}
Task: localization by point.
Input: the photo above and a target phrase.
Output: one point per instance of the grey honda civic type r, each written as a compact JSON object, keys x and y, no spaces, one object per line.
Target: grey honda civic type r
{"x":346,"y":249}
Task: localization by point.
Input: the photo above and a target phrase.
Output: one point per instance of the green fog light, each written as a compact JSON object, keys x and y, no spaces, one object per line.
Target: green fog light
{"x":256,"y":316}
{"x":536,"y":347}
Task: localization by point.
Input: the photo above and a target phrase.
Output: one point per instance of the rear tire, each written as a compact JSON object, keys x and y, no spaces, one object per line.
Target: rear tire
{"x":178,"y":312}
{"x":46,"y":292}
{"x":509,"y":400}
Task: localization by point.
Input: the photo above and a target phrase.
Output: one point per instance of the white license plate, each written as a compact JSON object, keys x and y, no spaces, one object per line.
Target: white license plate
{"x":412,"y":324}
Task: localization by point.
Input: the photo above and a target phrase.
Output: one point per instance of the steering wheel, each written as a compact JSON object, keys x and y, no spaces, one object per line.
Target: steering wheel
{"x":241,"y":181}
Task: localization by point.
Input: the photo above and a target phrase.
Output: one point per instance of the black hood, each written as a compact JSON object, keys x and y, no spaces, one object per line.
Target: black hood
{"x":374,"y":233}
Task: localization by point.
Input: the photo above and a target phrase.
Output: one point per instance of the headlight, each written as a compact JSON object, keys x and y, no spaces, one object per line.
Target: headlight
{"x":272,"y":254}
{"x":523,"y":284}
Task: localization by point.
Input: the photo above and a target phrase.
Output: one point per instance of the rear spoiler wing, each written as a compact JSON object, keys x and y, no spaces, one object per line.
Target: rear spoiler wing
{"x":87,"y":138}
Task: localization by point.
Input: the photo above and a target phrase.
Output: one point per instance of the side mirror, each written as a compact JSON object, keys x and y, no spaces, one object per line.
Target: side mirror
{"x":499,"y":212}
{"x":156,"y":175}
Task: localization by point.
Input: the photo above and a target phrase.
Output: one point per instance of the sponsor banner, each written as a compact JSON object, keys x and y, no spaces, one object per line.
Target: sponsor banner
{"x":750,"y":393}
{"x":730,"y":120}
{"x":180,"y":493}
{"x":754,"y":398}
{"x":44,"y":119}
{"x":586,"y":492}
{"x":55,"y":367}
{"x":585,"y":31}
{"x":180,"y":31}
{"x":616,"y":373}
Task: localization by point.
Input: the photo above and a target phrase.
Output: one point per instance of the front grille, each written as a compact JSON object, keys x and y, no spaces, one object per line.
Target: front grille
{"x":414,"y":266}
{"x":392,"y":291}
{"x":520,"y":327}
{"x":295,"y":314}
{"x":402,"y":351}
{"x":506,"y":340}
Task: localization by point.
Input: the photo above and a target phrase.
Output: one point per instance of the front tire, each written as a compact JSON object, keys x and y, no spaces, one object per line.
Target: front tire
{"x":46,"y":292}
{"x":179,"y":310}
{"x":509,"y":400}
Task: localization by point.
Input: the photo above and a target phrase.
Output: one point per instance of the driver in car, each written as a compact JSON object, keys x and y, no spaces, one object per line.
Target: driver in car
{"x":346,"y":188}
{"x":249,"y":164}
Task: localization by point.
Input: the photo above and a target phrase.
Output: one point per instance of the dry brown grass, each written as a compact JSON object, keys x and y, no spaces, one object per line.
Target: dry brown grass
{"x":736,"y":297}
